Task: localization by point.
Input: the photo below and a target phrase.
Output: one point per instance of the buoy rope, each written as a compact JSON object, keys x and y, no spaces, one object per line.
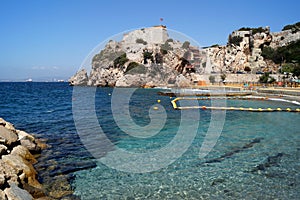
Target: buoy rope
{"x":174,"y":104}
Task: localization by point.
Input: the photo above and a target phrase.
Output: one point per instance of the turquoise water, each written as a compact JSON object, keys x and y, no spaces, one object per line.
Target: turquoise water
{"x":256,"y":156}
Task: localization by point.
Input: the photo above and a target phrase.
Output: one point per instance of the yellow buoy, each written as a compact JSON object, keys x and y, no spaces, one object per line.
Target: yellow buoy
{"x":260,"y":109}
{"x":279,"y":109}
{"x":298,"y":109}
{"x":250,"y":109}
{"x":158,"y":101}
{"x":288,"y":109}
{"x":241,"y":108}
{"x":270,"y":109}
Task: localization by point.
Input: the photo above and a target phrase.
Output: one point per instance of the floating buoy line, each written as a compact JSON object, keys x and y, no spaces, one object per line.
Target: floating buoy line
{"x":176,"y":107}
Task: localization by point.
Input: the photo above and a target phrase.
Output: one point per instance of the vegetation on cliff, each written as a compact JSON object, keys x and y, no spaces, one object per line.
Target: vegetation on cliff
{"x":254,"y":30}
{"x":294,"y":27}
{"x":286,"y":56}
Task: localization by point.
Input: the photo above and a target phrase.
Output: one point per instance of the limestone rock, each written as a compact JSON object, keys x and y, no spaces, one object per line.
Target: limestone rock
{"x":10,"y":127}
{"x":2,"y":195}
{"x":80,"y":78}
{"x":2,"y":122}
{"x":181,"y":81}
{"x":241,"y":55}
{"x":31,"y":146}
{"x":22,"y":166}
{"x":24,"y":153}
{"x":2,"y":180}
{"x":8,"y":171}
{"x":24,"y":135}
{"x":16,"y":193}
{"x":7,"y":136}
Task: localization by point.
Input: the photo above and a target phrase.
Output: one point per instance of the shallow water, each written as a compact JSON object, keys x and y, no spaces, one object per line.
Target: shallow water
{"x":256,"y":156}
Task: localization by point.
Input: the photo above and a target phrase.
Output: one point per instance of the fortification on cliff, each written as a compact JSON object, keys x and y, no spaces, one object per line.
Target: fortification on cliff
{"x":150,"y":57}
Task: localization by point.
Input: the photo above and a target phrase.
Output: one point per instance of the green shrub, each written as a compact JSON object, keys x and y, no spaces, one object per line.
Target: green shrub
{"x":286,"y":54}
{"x":136,"y":68}
{"x":121,"y":60}
{"x":147,"y":56}
{"x":254,"y":30}
{"x":215,"y":45}
{"x":236,"y":40}
{"x":131,"y":66}
{"x":141,"y":41}
{"x":294,"y":27}
{"x":212,"y":79}
{"x":223,"y":77}
{"x":164,"y":48}
{"x":266,"y":78}
{"x":186,"y":45}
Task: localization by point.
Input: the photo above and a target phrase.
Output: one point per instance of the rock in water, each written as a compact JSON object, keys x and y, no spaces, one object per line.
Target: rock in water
{"x":7,"y":137}
{"x":16,"y":193}
{"x":80,"y":78}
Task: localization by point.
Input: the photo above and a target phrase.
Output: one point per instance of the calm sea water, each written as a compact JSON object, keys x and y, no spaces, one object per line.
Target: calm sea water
{"x":257,"y":155}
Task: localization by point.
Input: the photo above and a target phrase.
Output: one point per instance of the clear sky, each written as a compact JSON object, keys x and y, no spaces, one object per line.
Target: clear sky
{"x":51,"y":38}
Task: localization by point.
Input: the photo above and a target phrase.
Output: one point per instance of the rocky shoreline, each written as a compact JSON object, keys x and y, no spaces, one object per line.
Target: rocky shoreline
{"x":18,"y":177}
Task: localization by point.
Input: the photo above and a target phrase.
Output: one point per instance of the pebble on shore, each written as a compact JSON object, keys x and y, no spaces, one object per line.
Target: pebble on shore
{"x":18,"y":177}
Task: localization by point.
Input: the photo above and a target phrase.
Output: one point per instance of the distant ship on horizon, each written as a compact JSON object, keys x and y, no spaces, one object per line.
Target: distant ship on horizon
{"x":29,"y":80}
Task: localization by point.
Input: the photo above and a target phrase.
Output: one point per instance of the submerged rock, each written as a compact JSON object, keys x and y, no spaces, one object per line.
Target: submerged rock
{"x":234,"y":151}
{"x":269,"y":162}
{"x":16,"y":193}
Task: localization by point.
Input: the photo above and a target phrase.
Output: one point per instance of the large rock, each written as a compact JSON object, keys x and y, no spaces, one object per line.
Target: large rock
{"x":8,"y":172}
{"x":80,"y":78}
{"x":31,"y":146}
{"x":2,"y":180}
{"x":22,"y":166}
{"x":16,"y":193}
{"x":24,"y":135}
{"x":2,"y":195}
{"x":24,"y":153}
{"x":2,"y":122}
{"x":182,"y":81}
{"x":7,"y":137}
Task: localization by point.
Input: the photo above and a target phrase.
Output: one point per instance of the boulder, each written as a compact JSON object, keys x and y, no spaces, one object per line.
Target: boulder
{"x":31,"y":146}
{"x":2,"y":180}
{"x":24,"y":153}
{"x":182,"y":81}
{"x":80,"y":78}
{"x":22,"y":166}
{"x":2,"y":195}
{"x":10,"y":127}
{"x":16,"y":193}
{"x":24,"y":135}
{"x":8,"y":171}
{"x":7,"y":136}
{"x":2,"y":122}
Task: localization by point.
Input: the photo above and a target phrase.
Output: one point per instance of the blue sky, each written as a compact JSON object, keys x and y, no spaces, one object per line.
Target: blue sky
{"x":50,"y":38}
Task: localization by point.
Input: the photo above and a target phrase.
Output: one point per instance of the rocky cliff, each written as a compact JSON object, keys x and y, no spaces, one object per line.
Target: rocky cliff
{"x":149,"y":57}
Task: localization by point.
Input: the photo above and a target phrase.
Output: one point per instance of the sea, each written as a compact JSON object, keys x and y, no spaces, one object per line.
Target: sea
{"x":106,"y":143}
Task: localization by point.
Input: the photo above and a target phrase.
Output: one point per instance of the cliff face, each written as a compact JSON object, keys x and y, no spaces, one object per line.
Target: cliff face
{"x":242,"y":53}
{"x":149,"y":57}
{"x":145,"y":57}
